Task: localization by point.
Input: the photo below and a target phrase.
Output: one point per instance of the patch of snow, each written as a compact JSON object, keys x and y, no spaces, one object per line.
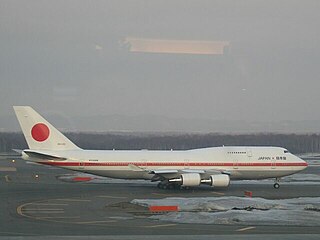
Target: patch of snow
{"x":302,"y":177}
{"x":239,"y":210}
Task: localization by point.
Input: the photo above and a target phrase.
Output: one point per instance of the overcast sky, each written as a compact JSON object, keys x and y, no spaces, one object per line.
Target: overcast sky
{"x":68,"y":57}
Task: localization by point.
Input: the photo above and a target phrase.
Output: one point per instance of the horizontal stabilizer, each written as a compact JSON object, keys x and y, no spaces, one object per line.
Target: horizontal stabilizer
{"x":41,"y":155}
{"x":17,"y":150}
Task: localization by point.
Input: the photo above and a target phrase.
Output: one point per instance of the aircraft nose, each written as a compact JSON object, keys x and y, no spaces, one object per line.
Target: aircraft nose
{"x":303,"y":164}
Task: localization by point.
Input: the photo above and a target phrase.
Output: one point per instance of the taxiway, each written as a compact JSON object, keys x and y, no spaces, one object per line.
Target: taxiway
{"x":36,"y":202}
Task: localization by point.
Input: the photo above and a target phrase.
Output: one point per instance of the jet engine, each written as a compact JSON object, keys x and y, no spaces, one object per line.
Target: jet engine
{"x":219,"y":180}
{"x":188,"y":179}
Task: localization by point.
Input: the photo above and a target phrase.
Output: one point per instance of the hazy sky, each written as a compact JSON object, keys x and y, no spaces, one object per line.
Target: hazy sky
{"x":68,"y":57}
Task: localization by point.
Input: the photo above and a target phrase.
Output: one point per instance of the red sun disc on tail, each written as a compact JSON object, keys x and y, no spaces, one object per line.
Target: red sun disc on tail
{"x":40,"y":132}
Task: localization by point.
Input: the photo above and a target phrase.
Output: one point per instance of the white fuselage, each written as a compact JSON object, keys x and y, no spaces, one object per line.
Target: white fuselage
{"x":239,"y":162}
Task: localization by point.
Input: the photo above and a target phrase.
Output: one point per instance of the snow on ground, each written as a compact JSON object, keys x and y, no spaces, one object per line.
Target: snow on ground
{"x":239,"y":210}
{"x":313,"y":163}
{"x":302,"y":177}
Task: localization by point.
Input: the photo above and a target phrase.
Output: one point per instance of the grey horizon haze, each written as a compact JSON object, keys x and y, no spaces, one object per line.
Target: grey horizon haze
{"x":67,"y":58}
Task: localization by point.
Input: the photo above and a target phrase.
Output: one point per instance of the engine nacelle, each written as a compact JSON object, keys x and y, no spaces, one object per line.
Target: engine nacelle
{"x":190,"y":179}
{"x":220,"y":180}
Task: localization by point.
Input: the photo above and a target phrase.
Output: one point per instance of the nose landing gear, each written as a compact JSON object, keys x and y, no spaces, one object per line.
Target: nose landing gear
{"x":276,"y":185}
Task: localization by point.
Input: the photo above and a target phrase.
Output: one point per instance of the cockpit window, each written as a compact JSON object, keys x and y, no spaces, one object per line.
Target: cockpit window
{"x":286,"y":151}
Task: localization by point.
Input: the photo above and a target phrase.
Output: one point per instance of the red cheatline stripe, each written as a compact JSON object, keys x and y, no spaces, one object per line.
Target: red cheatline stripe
{"x":171,"y":164}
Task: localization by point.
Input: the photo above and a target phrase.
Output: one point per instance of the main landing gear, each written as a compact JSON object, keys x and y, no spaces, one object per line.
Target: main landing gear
{"x":276,"y":185}
{"x":168,"y":185}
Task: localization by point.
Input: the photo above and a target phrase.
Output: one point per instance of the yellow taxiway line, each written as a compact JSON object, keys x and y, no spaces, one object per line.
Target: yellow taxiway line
{"x":115,"y":197}
{"x":50,"y":204}
{"x":94,"y":222}
{"x":161,"y":225}
{"x":72,"y":200}
{"x":245,"y":229}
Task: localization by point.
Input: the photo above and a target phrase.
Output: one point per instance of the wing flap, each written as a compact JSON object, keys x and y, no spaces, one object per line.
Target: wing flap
{"x":164,"y":171}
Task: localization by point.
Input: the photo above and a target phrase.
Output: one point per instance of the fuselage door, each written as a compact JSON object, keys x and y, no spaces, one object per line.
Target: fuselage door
{"x":143,"y":164}
{"x":186,"y":164}
{"x":273,"y":163}
{"x":81,"y":165}
{"x":235,"y":163}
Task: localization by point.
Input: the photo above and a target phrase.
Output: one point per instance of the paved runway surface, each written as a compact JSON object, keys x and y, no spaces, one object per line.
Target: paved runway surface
{"x":45,"y":206}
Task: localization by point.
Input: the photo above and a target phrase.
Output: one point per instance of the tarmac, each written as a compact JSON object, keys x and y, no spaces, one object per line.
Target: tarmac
{"x":36,"y":202}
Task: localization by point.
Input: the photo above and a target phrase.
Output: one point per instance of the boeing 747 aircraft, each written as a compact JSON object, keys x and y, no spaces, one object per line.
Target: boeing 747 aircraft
{"x":214,"y":166}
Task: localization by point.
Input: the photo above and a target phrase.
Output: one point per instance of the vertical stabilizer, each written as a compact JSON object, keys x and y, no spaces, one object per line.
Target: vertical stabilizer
{"x":39,"y":133}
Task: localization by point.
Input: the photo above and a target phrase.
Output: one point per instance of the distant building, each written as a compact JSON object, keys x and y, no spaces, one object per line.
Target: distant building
{"x":176,"y":46}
